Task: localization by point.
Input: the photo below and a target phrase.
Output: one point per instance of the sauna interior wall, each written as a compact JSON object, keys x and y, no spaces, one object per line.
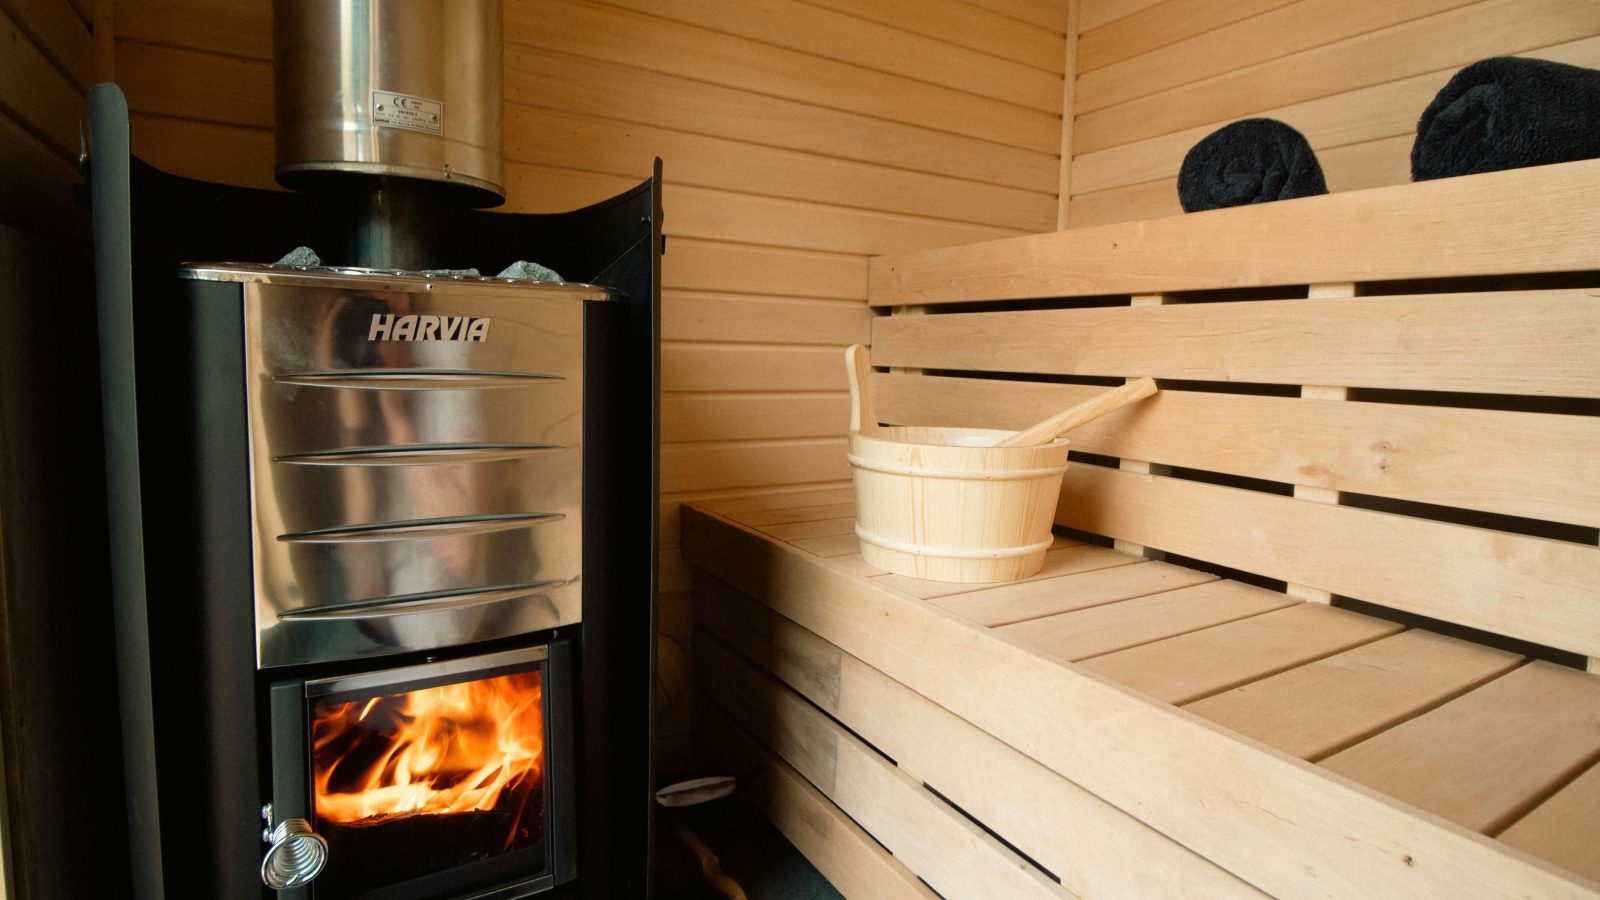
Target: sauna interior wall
{"x":1155,"y":76}
{"x":799,"y":138}
{"x":62,"y":785}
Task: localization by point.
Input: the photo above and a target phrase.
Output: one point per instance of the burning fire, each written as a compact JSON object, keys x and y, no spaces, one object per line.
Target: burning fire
{"x":450,"y":749}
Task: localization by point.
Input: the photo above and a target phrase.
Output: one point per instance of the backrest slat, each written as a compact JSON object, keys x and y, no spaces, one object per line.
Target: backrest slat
{"x":1428,"y":445}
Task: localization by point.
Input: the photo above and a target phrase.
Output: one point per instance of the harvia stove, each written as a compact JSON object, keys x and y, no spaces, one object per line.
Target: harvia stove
{"x":415,"y":461}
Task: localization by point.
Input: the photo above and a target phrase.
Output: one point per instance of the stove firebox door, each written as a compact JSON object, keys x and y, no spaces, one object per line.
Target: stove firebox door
{"x":423,"y":781}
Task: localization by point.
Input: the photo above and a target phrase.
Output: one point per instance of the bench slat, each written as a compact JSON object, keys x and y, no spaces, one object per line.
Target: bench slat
{"x":1544,"y":219}
{"x":1543,"y":343}
{"x":1486,"y":758}
{"x":1094,"y":848}
{"x":1566,"y":828}
{"x":851,"y":860}
{"x":1327,"y":705}
{"x":1531,"y":588}
{"x":1275,"y":821}
{"x":1058,"y":561}
{"x":1035,"y":599}
{"x":949,"y":852}
{"x":1467,"y":458}
{"x":1099,"y":630}
{"x":1189,"y":666}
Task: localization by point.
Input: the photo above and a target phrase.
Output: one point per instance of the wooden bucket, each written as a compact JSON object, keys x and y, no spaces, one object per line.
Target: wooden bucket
{"x":946,"y":505}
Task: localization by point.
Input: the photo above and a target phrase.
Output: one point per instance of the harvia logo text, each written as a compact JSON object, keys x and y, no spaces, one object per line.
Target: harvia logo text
{"x":389,"y":327}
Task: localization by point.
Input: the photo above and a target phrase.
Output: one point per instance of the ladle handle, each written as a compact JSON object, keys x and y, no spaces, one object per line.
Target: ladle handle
{"x":859,"y":372}
{"x":1087,"y":411}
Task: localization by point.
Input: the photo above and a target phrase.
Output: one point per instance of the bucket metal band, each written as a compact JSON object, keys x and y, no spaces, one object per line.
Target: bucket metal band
{"x":861,"y":462}
{"x":889,"y":543}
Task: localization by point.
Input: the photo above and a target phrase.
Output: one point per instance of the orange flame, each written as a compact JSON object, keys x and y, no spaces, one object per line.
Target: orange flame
{"x":448,"y":749}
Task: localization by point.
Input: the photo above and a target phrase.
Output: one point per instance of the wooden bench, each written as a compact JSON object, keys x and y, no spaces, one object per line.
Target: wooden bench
{"x":1318,"y":616}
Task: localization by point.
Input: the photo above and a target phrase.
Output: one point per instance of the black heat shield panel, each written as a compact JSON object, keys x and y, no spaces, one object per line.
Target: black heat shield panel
{"x":617,"y":243}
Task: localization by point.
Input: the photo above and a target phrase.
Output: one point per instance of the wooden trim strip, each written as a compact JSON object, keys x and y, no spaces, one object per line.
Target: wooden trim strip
{"x":1545,"y":219}
{"x":1466,"y":458}
{"x":1093,"y":847}
{"x":1275,"y":821}
{"x":954,"y":856}
{"x":1534,"y":342}
{"x":852,"y":861}
{"x":1524,"y":587}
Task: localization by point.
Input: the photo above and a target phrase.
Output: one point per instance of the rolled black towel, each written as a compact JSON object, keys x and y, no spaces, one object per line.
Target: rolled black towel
{"x":1250,"y":161}
{"x":1507,"y":113}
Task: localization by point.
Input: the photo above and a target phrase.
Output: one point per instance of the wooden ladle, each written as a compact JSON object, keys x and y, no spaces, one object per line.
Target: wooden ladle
{"x":859,"y":372}
{"x":1087,"y":411}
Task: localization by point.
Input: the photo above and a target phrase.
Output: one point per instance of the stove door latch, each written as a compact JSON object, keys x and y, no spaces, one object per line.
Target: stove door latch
{"x":295,"y":853}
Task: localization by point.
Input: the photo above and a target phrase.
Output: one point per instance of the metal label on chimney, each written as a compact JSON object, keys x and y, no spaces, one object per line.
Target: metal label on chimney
{"x":405,"y":111}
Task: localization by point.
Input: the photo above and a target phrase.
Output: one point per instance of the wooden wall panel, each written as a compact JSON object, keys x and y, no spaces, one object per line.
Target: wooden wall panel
{"x":1153,"y":78}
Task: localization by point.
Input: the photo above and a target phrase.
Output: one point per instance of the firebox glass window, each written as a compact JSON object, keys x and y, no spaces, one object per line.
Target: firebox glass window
{"x":416,"y":783}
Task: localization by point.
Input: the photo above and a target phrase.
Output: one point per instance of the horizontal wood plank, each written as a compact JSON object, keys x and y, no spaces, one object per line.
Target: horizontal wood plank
{"x":1485,"y":759}
{"x":551,"y":138}
{"x":743,"y":417}
{"x":1566,"y":828}
{"x":34,"y":92}
{"x":1301,"y":26}
{"x":1366,"y":114}
{"x":1057,"y":562}
{"x":750,"y":367}
{"x":1467,"y":458}
{"x":1036,"y":600}
{"x":226,"y":154}
{"x":179,"y":83}
{"x":1328,"y":705}
{"x":1446,"y":40}
{"x":711,"y":214}
{"x":827,"y":34}
{"x":1194,"y":665}
{"x":1276,"y":821}
{"x":1531,"y":588}
{"x":950,"y":853}
{"x":694,"y":265}
{"x":1535,"y":342}
{"x":235,"y":27}
{"x":1091,"y":846}
{"x":1161,"y":25}
{"x":719,"y":466}
{"x":554,"y":79}
{"x":1547,"y":219}
{"x":967,"y":25}
{"x":56,"y":29}
{"x":738,"y":318}
{"x":1107,"y":628}
{"x":1095,"y":13}
{"x":673,"y":48}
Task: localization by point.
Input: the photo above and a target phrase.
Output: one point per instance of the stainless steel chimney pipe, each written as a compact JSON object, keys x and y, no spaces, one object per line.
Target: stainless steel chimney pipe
{"x":408,"y":88}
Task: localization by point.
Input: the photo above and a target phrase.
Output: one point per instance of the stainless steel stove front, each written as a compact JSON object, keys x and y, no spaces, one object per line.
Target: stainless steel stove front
{"x":415,"y":459}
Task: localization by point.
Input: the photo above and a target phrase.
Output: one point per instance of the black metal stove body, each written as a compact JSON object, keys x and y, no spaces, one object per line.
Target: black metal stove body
{"x":338,"y":486}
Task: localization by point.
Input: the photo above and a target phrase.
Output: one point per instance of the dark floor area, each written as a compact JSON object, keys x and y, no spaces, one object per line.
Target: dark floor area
{"x":750,"y":851}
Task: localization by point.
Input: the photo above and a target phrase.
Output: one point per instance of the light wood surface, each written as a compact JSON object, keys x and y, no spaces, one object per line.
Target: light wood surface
{"x":1280,"y":823}
{"x":1190,"y":666}
{"x":1033,"y":601}
{"x":853,"y":862}
{"x":1486,"y":758}
{"x":1534,"y":342}
{"x":1468,"y":458}
{"x":1057,"y":561}
{"x":1095,"y":849}
{"x":1536,"y":589}
{"x":1327,"y":705}
{"x":1107,"y":628}
{"x":1546,"y":220}
{"x":1566,"y":828}
{"x":949,"y":852}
